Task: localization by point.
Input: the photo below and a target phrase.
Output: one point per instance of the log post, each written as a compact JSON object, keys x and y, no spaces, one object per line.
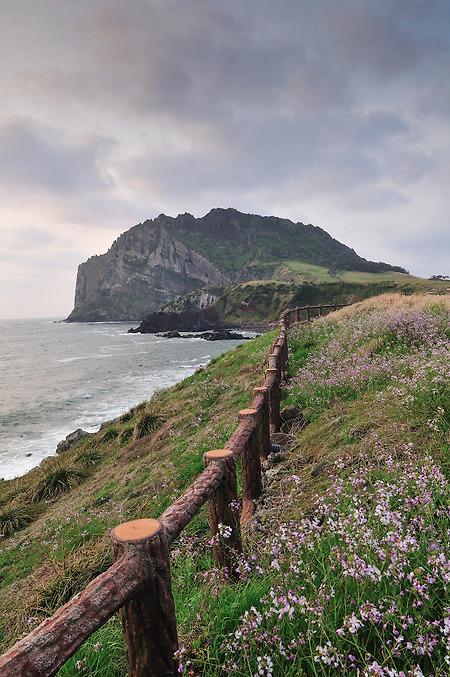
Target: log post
{"x":223,"y":520}
{"x":297,"y":312}
{"x":251,"y":469}
{"x":282,"y":342}
{"x":320,"y":311}
{"x":148,"y":620}
{"x":308,"y":314}
{"x":263,"y":420}
{"x":274,"y":400}
{"x":274,"y":360}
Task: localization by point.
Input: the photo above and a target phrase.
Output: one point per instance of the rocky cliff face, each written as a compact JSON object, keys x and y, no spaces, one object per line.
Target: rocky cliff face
{"x":143,"y":270}
{"x":155,"y":261}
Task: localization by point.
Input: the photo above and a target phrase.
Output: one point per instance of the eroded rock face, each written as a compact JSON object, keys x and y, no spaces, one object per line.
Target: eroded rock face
{"x":143,"y":270}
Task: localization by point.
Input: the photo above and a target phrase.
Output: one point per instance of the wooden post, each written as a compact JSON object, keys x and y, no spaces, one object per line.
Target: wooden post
{"x":297,"y":312}
{"x":148,"y":620}
{"x":320,"y":311}
{"x":274,"y":401}
{"x":251,"y":470}
{"x":223,"y":520}
{"x":272,"y":361}
{"x":263,"y":420}
{"x":282,"y":342}
{"x":308,"y":315}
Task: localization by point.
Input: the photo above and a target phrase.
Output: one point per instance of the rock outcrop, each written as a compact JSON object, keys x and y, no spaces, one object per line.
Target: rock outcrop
{"x":188,"y":320}
{"x":143,"y":270}
{"x":155,"y":261}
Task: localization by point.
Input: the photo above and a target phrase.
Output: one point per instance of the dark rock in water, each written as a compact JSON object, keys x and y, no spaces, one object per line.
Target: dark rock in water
{"x":187,"y":320}
{"x":170,"y":334}
{"x":71,"y":440}
{"x":224,"y":335}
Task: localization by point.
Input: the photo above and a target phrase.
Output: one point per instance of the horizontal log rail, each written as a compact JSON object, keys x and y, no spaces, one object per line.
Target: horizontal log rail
{"x":138,"y":584}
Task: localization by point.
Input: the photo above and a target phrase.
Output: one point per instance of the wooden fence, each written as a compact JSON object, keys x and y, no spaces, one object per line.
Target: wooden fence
{"x":139,"y":583}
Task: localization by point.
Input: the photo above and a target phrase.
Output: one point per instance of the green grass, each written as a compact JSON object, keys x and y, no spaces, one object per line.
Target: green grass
{"x":344,"y":568}
{"x":111,"y":477}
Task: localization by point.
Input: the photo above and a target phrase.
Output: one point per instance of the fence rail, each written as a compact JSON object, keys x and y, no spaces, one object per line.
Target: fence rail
{"x":138,"y":584}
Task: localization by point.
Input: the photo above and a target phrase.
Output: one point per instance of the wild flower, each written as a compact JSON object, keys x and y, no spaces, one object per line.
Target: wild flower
{"x":224,"y":531}
{"x":387,"y":566}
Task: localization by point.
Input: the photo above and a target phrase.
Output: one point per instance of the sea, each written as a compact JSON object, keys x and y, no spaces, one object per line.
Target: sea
{"x":56,"y":377}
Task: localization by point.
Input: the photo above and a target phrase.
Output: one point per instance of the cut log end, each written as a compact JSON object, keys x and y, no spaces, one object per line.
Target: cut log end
{"x":217,"y":454}
{"x":136,"y":530}
{"x":247,"y":412}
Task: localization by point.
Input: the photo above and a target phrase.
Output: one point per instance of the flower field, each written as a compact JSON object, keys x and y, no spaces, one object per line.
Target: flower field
{"x":352,"y":578}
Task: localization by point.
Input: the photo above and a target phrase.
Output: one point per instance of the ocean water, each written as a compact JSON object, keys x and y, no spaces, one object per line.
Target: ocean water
{"x":56,"y":377}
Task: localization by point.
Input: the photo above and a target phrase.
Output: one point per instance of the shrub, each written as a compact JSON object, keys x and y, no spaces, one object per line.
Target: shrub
{"x":69,"y":577}
{"x":15,"y":518}
{"x":147,"y":423}
{"x":56,"y":479}
{"x":126,"y":435}
{"x":110,"y":434}
{"x":90,"y":456}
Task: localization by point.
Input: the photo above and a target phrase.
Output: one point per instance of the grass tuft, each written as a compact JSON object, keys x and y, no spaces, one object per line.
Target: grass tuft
{"x":147,"y":424}
{"x":15,"y":518}
{"x":56,"y":478}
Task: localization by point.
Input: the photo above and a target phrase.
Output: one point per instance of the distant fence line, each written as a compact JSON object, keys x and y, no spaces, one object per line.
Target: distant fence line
{"x":139,"y":582}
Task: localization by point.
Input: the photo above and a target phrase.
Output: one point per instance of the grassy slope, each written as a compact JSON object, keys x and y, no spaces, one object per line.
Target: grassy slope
{"x":351,"y":466}
{"x":263,"y":301}
{"x":320,"y":274}
{"x":66,"y":544}
{"x":300,"y":284}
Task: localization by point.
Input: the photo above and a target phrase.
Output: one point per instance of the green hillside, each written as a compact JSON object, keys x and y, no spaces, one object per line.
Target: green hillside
{"x":155,"y":261}
{"x":346,"y":566}
{"x":261,"y":301}
{"x":237,"y":242}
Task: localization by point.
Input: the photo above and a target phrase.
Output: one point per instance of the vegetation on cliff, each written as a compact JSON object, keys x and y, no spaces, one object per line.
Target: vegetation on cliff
{"x":263,"y":301}
{"x":346,"y":566}
{"x":161,"y":258}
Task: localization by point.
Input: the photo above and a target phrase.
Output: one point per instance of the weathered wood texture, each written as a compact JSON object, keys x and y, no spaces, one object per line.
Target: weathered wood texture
{"x":55,"y":640}
{"x":251,"y":468}
{"x":148,"y":619}
{"x":273,"y":383}
{"x":261,"y":404}
{"x":223,"y":512}
{"x":180,"y":513}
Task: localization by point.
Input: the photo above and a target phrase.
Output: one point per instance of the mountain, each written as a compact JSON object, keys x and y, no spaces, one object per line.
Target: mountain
{"x":150,"y":264}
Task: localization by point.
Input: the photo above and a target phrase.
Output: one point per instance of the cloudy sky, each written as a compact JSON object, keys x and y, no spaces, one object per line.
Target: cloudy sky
{"x":331,"y":112}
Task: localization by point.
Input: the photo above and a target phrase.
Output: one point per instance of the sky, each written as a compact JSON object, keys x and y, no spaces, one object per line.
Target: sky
{"x":332,"y":112}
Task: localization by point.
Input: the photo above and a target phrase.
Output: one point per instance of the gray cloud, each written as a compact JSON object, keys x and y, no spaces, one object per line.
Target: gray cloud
{"x":34,"y":157}
{"x":333,"y":113}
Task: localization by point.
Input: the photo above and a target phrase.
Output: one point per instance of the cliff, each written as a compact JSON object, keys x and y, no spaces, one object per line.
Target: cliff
{"x":150,"y":264}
